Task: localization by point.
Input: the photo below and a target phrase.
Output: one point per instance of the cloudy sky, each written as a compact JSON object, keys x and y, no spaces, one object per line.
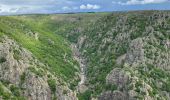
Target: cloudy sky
{"x":63,"y":6}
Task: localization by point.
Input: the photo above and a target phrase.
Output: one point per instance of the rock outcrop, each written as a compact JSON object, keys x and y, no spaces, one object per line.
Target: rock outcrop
{"x":18,"y":67}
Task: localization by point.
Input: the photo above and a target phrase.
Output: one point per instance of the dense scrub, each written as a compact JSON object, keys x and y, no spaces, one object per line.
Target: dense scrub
{"x":126,"y":53}
{"x":110,"y":38}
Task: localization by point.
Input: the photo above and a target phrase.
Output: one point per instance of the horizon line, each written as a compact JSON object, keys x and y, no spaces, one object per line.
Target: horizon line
{"x":55,"y":13}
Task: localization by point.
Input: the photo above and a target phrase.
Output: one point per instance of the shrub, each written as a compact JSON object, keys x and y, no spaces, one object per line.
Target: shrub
{"x":65,"y":92}
{"x":52,"y":84}
{"x":35,"y":71}
{"x":22,"y":78}
{"x":111,"y":87}
{"x":73,"y":85}
{"x":5,"y":82}
{"x":135,"y":35}
{"x":15,"y":90}
{"x":2,"y":60}
{"x":5,"y":95}
{"x":16,"y":55}
{"x":85,"y":96}
{"x":166,"y":87}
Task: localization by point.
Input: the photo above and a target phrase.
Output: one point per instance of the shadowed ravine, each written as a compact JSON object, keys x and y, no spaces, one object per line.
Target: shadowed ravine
{"x":85,"y":56}
{"x":78,"y":57}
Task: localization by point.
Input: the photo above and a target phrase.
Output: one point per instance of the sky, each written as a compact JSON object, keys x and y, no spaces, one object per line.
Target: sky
{"x":8,"y":7}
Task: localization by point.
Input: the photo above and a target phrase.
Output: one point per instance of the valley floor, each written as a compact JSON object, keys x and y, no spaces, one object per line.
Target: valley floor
{"x":82,"y":62}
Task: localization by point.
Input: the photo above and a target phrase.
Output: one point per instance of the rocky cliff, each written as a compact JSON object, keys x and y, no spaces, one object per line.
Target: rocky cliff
{"x":99,"y":56}
{"x":128,"y":56}
{"x":25,"y":77}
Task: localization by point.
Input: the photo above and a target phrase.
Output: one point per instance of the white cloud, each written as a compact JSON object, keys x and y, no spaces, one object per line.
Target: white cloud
{"x":13,"y":9}
{"x":29,"y":2}
{"x":137,"y":2}
{"x":83,"y":7}
{"x":7,"y":9}
{"x":32,"y":6}
{"x":90,"y":6}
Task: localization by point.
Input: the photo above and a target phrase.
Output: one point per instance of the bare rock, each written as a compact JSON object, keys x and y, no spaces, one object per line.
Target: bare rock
{"x":117,"y":77}
{"x":15,"y":61}
{"x":135,"y":53}
{"x":116,"y":95}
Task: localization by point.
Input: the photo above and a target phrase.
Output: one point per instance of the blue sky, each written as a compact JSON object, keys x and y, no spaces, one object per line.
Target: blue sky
{"x":64,"y":6}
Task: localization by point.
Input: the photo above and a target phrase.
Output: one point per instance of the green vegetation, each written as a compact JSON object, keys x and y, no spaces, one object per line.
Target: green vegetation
{"x":2,"y":60}
{"x":73,"y":84}
{"x":111,"y":87}
{"x":52,"y":85}
{"x":156,"y":75}
{"x":6,"y":95}
{"x":5,"y":82}
{"x":17,"y":55}
{"x":52,"y":46}
{"x":36,"y":71}
{"x":15,"y":90}
{"x":100,"y":64}
{"x":20,"y":30}
{"x":85,"y":96}
{"x":23,"y":78}
{"x":103,"y":39}
{"x":109,"y":38}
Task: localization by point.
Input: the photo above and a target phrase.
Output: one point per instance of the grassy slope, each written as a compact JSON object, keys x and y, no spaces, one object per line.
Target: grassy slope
{"x":71,"y":26}
{"x":52,"y":55}
{"x":50,"y":28}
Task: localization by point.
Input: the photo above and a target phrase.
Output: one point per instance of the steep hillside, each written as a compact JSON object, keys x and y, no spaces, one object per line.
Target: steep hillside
{"x":25,"y":77}
{"x":128,"y":56}
{"x":52,"y":77}
{"x":45,"y":69}
{"x":103,"y":56}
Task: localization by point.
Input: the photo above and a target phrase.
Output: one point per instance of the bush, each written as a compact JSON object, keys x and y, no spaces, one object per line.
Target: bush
{"x":5,"y":95}
{"x":135,"y":35}
{"x":166,"y":87}
{"x":15,"y":90}
{"x":111,"y":87}
{"x":16,"y":55}
{"x":2,"y":60}
{"x":5,"y":82}
{"x":85,"y":96}
{"x":22,"y":78}
{"x":65,"y":92}
{"x":73,"y":85}
{"x":52,"y":85}
{"x":35,"y":71}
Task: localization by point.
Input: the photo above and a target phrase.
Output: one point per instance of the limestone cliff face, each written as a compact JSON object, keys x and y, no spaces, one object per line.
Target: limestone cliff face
{"x":136,"y":52}
{"x":11,"y":68}
{"x":18,"y":67}
{"x":116,"y":56}
{"x":133,"y":49}
{"x":143,"y":55}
